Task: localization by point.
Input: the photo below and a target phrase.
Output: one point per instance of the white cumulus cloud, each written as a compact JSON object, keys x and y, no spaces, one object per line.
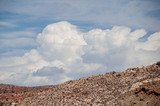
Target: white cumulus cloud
{"x":65,"y":52}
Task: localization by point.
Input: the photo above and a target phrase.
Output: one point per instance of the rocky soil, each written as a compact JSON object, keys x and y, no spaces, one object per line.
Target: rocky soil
{"x":133,"y":87}
{"x":11,"y":94}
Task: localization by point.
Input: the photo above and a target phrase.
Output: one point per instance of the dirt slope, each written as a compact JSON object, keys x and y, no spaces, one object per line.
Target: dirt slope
{"x":133,"y":87}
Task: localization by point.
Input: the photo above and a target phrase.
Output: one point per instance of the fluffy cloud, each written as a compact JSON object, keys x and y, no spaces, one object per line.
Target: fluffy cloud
{"x":152,"y":43}
{"x":65,"y":52}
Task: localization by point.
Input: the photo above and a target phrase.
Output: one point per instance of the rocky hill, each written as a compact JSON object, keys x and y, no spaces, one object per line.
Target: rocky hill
{"x":11,"y":94}
{"x":133,"y":87}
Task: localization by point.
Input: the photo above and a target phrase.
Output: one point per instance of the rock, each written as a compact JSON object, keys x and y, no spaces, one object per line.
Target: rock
{"x":158,"y":63}
{"x":135,"y":86}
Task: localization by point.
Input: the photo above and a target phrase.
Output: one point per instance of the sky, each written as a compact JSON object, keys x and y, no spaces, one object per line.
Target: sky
{"x":47,"y":42}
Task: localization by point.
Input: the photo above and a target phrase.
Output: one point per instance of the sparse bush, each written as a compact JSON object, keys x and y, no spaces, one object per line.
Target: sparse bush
{"x":158,"y":63}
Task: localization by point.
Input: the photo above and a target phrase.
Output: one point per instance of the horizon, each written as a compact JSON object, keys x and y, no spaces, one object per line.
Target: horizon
{"x":50,"y":42}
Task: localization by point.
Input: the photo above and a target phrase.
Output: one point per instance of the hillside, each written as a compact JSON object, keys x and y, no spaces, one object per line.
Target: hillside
{"x":133,"y":87}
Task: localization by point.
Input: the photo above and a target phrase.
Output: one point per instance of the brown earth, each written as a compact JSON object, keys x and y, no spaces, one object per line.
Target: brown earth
{"x":133,"y":87}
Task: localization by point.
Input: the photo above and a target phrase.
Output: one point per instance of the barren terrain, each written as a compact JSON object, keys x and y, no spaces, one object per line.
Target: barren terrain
{"x":132,"y":87}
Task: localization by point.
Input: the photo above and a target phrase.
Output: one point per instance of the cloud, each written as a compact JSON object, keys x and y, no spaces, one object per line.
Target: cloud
{"x":152,"y":43}
{"x":14,"y":43}
{"x":4,"y":24}
{"x":66,"y":52}
{"x":18,"y":34}
{"x":133,"y":13}
{"x":17,"y":43}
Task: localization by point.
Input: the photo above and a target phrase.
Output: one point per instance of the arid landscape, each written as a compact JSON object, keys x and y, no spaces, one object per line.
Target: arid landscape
{"x":132,"y":87}
{"x":79,"y":52}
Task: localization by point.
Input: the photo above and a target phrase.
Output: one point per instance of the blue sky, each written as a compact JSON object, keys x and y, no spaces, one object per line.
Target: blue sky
{"x":18,"y":15}
{"x":102,"y":13}
{"x":22,"y":20}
